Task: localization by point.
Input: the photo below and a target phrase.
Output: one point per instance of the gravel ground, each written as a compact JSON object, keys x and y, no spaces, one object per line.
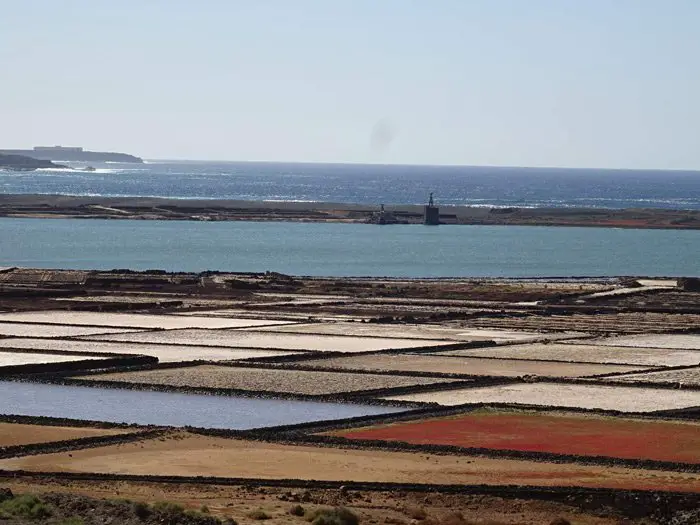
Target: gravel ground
{"x":689,"y":376}
{"x":164,"y":353}
{"x":63,"y":317}
{"x":620,"y":322}
{"x":414,"y":332}
{"x":21,"y":358}
{"x":579,"y":353}
{"x":249,"y":339}
{"x":286,"y":381}
{"x":466,"y":365}
{"x":680,"y":341}
{"x":53,"y":330}
{"x":624,"y":399}
{"x":287,"y":315}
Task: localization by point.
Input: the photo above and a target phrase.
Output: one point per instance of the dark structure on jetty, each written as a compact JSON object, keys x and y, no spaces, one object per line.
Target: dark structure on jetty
{"x":385,"y":217}
{"x":409,"y":215}
{"x":431,"y":213}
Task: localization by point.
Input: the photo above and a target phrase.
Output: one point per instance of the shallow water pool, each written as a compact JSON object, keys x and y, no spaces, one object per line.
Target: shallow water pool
{"x":171,"y":409}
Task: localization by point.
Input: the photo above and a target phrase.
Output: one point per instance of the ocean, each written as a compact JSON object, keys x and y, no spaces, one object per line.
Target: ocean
{"x":372,"y":184}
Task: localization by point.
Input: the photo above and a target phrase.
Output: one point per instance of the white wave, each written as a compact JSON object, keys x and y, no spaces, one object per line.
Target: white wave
{"x":499,"y":206}
{"x":61,"y":170}
{"x":125,"y":164}
{"x":285,"y":200}
{"x":78,"y":170}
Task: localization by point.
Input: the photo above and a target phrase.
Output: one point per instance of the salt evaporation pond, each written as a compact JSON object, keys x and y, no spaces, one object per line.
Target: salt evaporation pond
{"x":171,"y":409}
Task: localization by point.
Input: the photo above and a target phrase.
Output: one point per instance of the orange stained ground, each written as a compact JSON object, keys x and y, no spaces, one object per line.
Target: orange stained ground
{"x":557,"y":433}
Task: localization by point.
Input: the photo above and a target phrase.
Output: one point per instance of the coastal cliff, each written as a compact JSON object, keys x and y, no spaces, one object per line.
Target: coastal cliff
{"x":24,"y":163}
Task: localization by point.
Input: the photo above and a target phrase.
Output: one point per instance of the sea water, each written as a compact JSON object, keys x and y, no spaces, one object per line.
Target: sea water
{"x":372,"y":184}
{"x":339,"y":249}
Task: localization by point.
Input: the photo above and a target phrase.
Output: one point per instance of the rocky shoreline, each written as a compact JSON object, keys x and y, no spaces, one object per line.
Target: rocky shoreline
{"x":24,"y":163}
{"x":151,"y":208}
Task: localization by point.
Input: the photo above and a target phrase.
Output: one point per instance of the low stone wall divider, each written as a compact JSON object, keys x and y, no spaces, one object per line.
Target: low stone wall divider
{"x":630,"y":384}
{"x":49,"y":351}
{"x":323,"y":334}
{"x":79,"y":338}
{"x":658,"y":414}
{"x":433,"y":410}
{"x":429,"y":349}
{"x":292,"y":366}
{"x":52,"y":447}
{"x":455,"y":450}
{"x":303,"y":429}
{"x":690,"y":413}
{"x":431,"y":387}
{"x":631,"y":503}
{"x":229,"y":392}
{"x":74,"y":366}
{"x":65,"y":422}
{"x":648,"y":370}
{"x":559,"y":361}
{"x":300,"y":355}
{"x":157,"y":365}
{"x":106,"y":306}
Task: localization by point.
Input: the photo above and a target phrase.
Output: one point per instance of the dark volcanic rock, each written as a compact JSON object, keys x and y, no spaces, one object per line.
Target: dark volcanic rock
{"x":689,"y":284}
{"x":23,"y":163}
{"x":5,"y":494}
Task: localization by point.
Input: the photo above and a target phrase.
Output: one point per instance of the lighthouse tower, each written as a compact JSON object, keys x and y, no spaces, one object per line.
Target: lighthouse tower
{"x":431,"y":213}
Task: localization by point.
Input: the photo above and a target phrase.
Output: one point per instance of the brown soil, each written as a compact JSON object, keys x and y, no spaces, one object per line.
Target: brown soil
{"x":184,"y":454}
{"x":12,"y":434}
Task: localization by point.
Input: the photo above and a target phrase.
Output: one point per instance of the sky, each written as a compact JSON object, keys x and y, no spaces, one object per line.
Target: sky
{"x":571,"y":83}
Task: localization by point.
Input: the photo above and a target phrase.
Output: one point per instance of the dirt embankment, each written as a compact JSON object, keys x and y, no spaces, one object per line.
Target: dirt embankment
{"x":232,"y":210}
{"x":100,"y":502}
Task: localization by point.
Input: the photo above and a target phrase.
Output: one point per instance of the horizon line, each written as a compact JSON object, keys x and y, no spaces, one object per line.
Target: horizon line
{"x":426,"y":165}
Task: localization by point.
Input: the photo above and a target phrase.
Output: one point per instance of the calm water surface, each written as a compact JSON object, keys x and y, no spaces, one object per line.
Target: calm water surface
{"x":171,"y":409}
{"x":325,"y":249}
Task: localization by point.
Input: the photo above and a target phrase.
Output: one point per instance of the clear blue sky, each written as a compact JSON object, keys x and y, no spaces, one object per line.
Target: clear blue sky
{"x":581,"y":83}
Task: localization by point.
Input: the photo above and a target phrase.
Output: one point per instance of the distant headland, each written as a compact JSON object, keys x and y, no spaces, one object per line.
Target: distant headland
{"x":24,"y":163}
{"x":72,"y":154}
